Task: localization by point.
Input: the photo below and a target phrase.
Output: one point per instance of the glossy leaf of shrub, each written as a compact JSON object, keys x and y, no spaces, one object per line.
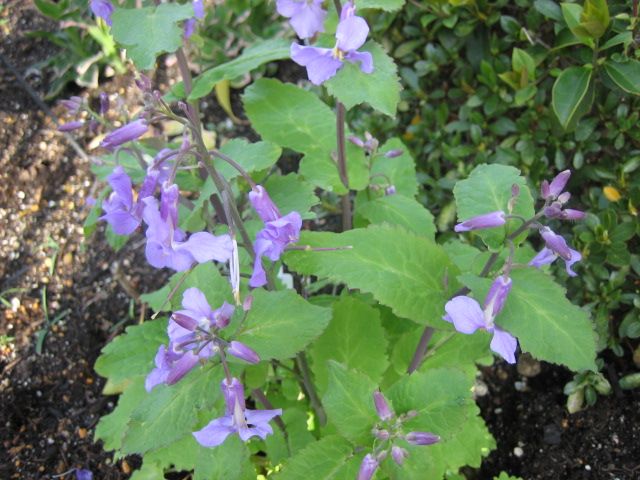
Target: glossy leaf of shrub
{"x":408,"y":273}
{"x":281,"y":323}
{"x":572,"y":95}
{"x":625,"y":74}
{"x":545,"y":322}
{"x":488,"y":189}
{"x":149,"y":31}
{"x":354,"y":338}
{"x":380,"y":89}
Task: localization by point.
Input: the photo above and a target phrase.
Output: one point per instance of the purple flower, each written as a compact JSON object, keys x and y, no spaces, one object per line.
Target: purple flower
{"x":168,"y":246}
{"x":278,"y":232}
{"x":546,"y":256}
{"x":197,"y":313}
{"x":237,"y":419}
{"x":198,"y":9}
{"x":556,"y":187}
{"x":83,"y":474}
{"x":307,"y":16}
{"x":382,"y":406}
{"x":124,"y":134}
{"x":70,"y":126}
{"x":189,"y":27}
{"x":368,"y":467}
{"x":121,"y":212}
{"x":487,"y":220}
{"x":162,"y":165}
{"x":241,"y":351}
{"x":171,"y":366}
{"x":102,"y":9}
{"x":421,"y":438}
{"x":323,"y":63}
{"x":399,"y":454}
{"x":72,"y":104}
{"x":467,"y":317}
{"x":556,"y":243}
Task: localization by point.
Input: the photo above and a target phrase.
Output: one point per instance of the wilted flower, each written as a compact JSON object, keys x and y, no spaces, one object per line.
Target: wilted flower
{"x":237,"y":419}
{"x":467,"y":317}
{"x":306,"y":16}
{"x":486,"y":220}
{"x":102,"y":9}
{"x":124,"y":134}
{"x":323,"y":63}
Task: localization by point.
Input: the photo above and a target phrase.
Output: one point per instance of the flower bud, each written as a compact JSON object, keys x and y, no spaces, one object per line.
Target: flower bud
{"x":498,"y":294}
{"x":246,"y":304}
{"x":356,"y":141}
{"x":144,"y":83}
{"x":571,"y":214}
{"x":564,"y":198}
{"x":368,"y":467}
{"x":390,"y":190}
{"x":262,"y":204}
{"x":198,"y":9}
{"x":381,"y":434}
{"x":553,"y":211}
{"x":487,"y":220}
{"x":399,"y":454}
{"x":103,"y":9}
{"x":232,"y":392}
{"x":223,"y":314}
{"x":70,"y":126}
{"x":72,"y":104}
{"x":184,"y":321}
{"x":241,"y":351}
{"x":394,"y":153}
{"x":382,"y":406}
{"x":422,"y":438}
{"x":558,"y":183}
{"x":124,"y":134}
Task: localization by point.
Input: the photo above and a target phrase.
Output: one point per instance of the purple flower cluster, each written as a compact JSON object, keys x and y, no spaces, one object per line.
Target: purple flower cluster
{"x":389,"y":433}
{"x":278,"y":232}
{"x":193,"y":337}
{"x":323,"y":63}
{"x":467,"y":316}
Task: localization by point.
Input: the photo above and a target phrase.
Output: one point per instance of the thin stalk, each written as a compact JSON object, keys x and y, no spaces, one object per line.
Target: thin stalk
{"x":261,"y":397}
{"x":235,"y":165}
{"x":309,"y":388}
{"x":421,"y":349}
{"x":342,"y":166}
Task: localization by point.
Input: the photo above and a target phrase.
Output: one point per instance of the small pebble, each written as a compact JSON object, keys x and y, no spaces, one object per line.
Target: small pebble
{"x":587,"y":468}
{"x":518,"y":452}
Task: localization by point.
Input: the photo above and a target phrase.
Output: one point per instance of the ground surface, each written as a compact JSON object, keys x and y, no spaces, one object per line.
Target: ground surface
{"x":50,"y":402}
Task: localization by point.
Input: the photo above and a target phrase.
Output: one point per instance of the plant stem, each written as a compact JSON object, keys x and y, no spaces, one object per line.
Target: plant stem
{"x":342,"y":166}
{"x":259,"y":396}
{"x":421,"y":349}
{"x":307,"y":383}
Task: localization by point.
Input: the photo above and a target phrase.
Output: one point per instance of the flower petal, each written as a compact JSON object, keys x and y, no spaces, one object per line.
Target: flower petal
{"x":465,"y":313}
{"x":215,"y":432}
{"x":204,"y":247}
{"x":309,"y":20}
{"x":352,"y":33}
{"x":504,"y":344}
{"x":575,"y":257}
{"x":122,"y":222}
{"x":121,"y":184}
{"x":288,"y":8}
{"x":365,"y":59}
{"x":193,"y":299}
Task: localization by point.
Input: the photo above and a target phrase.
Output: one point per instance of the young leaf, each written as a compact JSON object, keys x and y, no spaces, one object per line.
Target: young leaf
{"x":149,"y":31}
{"x":488,"y":189}
{"x":595,"y":17}
{"x":546,"y":324}
{"x":132,"y":353}
{"x":572,"y":95}
{"x":355,"y":338}
{"x":380,"y":89}
{"x":250,"y":59}
{"x":349,"y":402}
{"x":281,"y":323}
{"x":408,"y":273}
{"x":626,"y":75}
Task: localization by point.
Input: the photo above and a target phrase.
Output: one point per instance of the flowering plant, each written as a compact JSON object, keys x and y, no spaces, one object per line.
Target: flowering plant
{"x":374,"y":379}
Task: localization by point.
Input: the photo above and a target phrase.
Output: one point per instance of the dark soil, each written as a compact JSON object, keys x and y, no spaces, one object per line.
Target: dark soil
{"x":50,"y":402}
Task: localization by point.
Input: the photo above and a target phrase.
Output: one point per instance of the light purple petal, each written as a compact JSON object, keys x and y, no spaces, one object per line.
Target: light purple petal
{"x":259,"y":417}
{"x":320,"y":62}
{"x":215,"y":432}
{"x":120,"y":183}
{"x":544,"y":257}
{"x":181,"y":367}
{"x":559,"y":182}
{"x":368,"y":467}
{"x":259,"y":276}
{"x":223,"y":314}
{"x":193,"y":299}
{"x":352,"y":33}
{"x":556,"y":243}
{"x":309,"y":20}
{"x":243,"y":352}
{"x":157,"y":254}
{"x":262,"y":203}
{"x":189,"y":28}
{"x":575,"y":257}
{"x":504,"y":344}
{"x":479,"y":222}
{"x":465,"y":313}
{"x":179,"y":260}
{"x":498,"y":294}
{"x":366,"y":64}
{"x":205,"y":247}
{"x":102,"y":9}
{"x":122,"y":222}
{"x":198,"y":9}
{"x":288,"y":8}
{"x":159,"y":374}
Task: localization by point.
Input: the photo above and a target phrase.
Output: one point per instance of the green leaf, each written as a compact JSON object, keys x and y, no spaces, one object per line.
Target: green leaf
{"x":149,"y":31}
{"x":298,"y":435}
{"x":547,"y":325}
{"x":346,"y":342}
{"x":229,"y":461}
{"x":281,"y":323}
{"x":380,"y":89}
{"x":400,"y":171}
{"x":251,"y":58}
{"x":402,"y":211}
{"x":349,"y":402}
{"x":402,"y":270}
{"x":626,"y":75}
{"x":298,"y":119}
{"x":441,"y":397}
{"x":290,"y":192}
{"x":488,"y":189}
{"x":623,"y":38}
{"x":148,"y":471}
{"x":205,"y":276}
{"x":180,"y":455}
{"x":111,"y":427}
{"x":572,"y":95}
{"x":595,"y":17}
{"x":170,"y":412}
{"x":252,"y":157}
{"x":386,"y":5}
{"x":132,"y":353}
{"x":549,"y":9}
{"x":323,"y":460}
{"x":572,"y":14}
